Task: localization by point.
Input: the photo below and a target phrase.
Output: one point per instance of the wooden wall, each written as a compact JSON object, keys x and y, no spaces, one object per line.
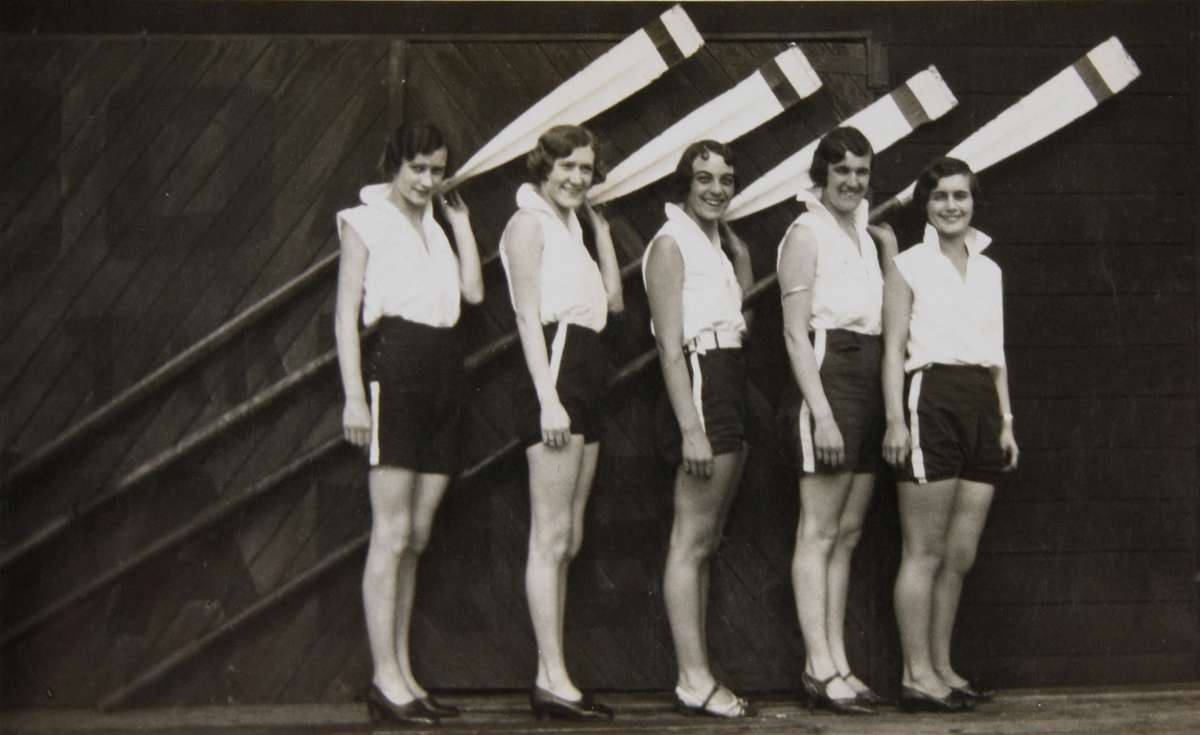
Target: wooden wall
{"x":157,"y":185}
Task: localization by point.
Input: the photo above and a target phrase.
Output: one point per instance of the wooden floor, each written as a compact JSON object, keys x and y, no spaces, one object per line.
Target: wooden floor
{"x":1163,"y":710}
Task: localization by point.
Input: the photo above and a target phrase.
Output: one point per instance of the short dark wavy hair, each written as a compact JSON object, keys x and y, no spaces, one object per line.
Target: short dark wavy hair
{"x":408,"y":141}
{"x":682,"y":179}
{"x":938,"y":169}
{"x":558,"y":142}
{"x":833,"y":148}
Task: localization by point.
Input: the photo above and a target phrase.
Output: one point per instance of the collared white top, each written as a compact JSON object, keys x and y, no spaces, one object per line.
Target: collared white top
{"x":847,"y":291}
{"x":409,"y":274}
{"x":572,"y":290}
{"x":955,"y":320}
{"x":712,"y":296}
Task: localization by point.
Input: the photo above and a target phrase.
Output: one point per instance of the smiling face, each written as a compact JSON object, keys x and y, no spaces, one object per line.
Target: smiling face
{"x":419,"y":178}
{"x":846,"y":183}
{"x":951,"y":206}
{"x":711,"y":188}
{"x":567,"y":182}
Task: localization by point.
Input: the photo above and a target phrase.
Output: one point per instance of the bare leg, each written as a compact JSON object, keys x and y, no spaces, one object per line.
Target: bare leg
{"x":850,"y":526}
{"x":822,"y":498}
{"x":971,"y":503}
{"x":552,"y":480}
{"x":391,"y":490}
{"x":428,"y":496}
{"x":706,"y":568}
{"x":924,"y":519}
{"x":694,"y":536}
{"x":583,"y":488}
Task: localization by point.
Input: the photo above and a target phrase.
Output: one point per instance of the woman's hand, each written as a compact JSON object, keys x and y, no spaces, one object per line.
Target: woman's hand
{"x":454,"y":209}
{"x":697,"y":453}
{"x":1008,"y":444}
{"x":556,"y":424}
{"x":827,"y":440}
{"x":598,"y":220}
{"x":732,"y":241}
{"x":896,"y":444}
{"x":356,"y":422}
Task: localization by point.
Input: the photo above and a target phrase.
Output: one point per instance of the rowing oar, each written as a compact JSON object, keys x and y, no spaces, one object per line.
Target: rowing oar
{"x":1073,"y":92}
{"x":921,"y":99}
{"x":617,"y":73}
{"x":776,"y":86}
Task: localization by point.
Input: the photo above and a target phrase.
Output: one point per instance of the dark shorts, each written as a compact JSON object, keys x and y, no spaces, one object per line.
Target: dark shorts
{"x":581,"y":382}
{"x":954,"y":421}
{"x":415,"y":387}
{"x":850,"y":376}
{"x":718,"y":380}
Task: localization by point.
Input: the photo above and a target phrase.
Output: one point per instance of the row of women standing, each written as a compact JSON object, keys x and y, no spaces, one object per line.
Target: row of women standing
{"x":932,"y":401}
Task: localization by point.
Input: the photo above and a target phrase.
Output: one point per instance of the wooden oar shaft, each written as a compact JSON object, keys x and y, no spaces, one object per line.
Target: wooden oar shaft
{"x":168,"y":371}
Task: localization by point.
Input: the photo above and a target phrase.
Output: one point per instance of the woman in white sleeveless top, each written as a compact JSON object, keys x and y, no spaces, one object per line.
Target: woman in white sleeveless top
{"x":695,"y":293}
{"x":832,"y":290}
{"x":561,"y":297}
{"x":398,"y":271}
{"x":949,"y":424}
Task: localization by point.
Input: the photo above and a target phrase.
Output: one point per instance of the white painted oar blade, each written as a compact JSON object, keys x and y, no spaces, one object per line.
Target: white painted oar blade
{"x":724,"y":118}
{"x":1073,"y":92}
{"x":616,"y":74}
{"x":923,"y":98}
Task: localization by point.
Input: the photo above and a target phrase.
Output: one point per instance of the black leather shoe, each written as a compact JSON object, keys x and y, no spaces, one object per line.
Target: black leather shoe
{"x":435,"y":707}
{"x":915,"y":700}
{"x":549,"y":705}
{"x":816,"y":694}
{"x":382,"y":710}
{"x":866,"y":696}
{"x":975,"y":693}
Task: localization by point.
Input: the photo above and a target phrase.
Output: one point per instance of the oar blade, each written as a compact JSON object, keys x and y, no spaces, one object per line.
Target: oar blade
{"x":770,"y":90}
{"x":923,"y":98}
{"x":616,"y":74}
{"x":1101,"y":73}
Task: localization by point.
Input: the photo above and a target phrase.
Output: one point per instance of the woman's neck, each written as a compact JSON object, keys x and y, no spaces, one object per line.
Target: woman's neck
{"x":563,"y":213}
{"x":952,"y":245}
{"x":407,"y":208}
{"x":708,"y":227}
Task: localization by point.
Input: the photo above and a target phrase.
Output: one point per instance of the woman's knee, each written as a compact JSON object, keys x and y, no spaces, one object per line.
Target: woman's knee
{"x":394,"y":537}
{"x":694,"y":544}
{"x":817,"y":537}
{"x":960,"y":558}
{"x":552,"y":541}
{"x":926,"y":555}
{"x":848,"y":536}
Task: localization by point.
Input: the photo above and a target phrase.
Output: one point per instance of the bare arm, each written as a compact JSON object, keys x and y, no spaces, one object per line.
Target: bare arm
{"x":664,"y":289}
{"x":1008,"y":441}
{"x":610,"y":268}
{"x":352,"y":268}
{"x":897,"y":309}
{"x":470,"y":274}
{"x":885,"y":238}
{"x":797,"y":273}
{"x":525,"y":243}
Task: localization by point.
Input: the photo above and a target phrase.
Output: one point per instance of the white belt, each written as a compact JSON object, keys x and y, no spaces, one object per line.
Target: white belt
{"x":712,"y":339}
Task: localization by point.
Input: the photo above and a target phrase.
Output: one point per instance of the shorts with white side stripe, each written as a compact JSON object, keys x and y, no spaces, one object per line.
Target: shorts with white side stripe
{"x":954,"y":422}
{"x":850,"y":377}
{"x":718,"y":378}
{"x":415,"y":385}
{"x":579,"y":366}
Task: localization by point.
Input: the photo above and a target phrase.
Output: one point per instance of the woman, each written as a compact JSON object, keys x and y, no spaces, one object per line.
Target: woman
{"x":832,"y":291}
{"x":949,"y":423}
{"x":561,"y":299}
{"x":695,"y":293}
{"x":397,"y":268}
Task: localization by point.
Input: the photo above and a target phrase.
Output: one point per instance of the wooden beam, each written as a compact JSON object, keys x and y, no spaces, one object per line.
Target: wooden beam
{"x":168,"y":371}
